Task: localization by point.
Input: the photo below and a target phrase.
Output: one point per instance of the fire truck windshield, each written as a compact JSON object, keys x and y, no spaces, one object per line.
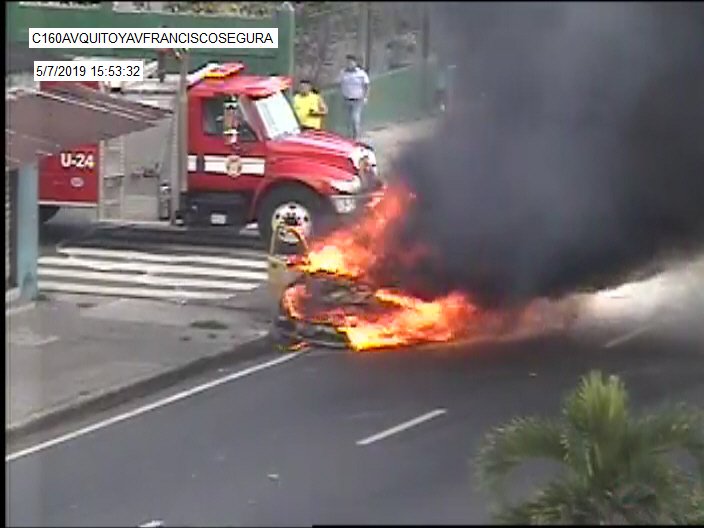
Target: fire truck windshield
{"x":277,"y":115}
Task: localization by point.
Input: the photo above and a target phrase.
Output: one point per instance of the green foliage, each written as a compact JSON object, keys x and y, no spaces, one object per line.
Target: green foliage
{"x":304,"y":10}
{"x":252,"y":9}
{"x":617,"y":468}
{"x":238,"y":9}
{"x":695,"y":508}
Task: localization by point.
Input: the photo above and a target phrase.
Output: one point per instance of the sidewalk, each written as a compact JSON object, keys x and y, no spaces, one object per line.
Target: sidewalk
{"x":70,"y":355}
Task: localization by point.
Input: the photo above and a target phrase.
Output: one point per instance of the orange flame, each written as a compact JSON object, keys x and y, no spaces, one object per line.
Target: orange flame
{"x":409,"y":321}
{"x":352,"y":253}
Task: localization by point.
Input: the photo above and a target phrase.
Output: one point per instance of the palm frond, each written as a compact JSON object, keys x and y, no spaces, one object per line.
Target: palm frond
{"x":672,"y":429}
{"x":577,"y":452}
{"x":694,"y":508}
{"x":597,"y":420}
{"x":634,"y":502}
{"x":560,"y":502}
{"x":599,"y":407}
{"x":618,"y":471}
{"x":664,"y":481}
{"x":520,"y":440}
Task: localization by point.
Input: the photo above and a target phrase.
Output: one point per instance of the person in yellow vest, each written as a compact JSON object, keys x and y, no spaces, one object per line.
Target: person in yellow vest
{"x":309,"y":106}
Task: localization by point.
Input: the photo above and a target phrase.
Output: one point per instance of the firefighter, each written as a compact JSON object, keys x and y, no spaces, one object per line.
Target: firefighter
{"x":281,"y":274}
{"x":310,"y":106}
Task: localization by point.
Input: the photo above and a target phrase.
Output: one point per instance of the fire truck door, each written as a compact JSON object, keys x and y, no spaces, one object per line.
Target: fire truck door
{"x":250,"y":154}
{"x":228,"y":155}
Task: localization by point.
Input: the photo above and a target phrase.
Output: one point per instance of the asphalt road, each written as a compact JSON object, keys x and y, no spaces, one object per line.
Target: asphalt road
{"x":281,"y":446}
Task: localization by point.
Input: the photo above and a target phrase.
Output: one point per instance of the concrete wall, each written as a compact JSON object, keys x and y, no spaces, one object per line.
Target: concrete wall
{"x":21,"y":17}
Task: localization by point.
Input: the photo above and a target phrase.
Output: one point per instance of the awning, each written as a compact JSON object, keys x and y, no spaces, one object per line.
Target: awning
{"x":39,"y":123}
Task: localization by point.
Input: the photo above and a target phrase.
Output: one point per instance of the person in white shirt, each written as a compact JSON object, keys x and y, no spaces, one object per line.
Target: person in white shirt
{"x":354,"y":85}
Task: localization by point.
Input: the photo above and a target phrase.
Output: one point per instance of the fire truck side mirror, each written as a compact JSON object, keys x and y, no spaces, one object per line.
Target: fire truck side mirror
{"x":229,"y":125}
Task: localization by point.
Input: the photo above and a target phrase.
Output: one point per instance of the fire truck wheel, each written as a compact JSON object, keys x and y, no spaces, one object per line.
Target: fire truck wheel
{"x":293,"y":204}
{"x":47,"y":212}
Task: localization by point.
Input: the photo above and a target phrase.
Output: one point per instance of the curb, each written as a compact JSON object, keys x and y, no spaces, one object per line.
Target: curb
{"x":139,"y":388}
{"x":134,"y":236}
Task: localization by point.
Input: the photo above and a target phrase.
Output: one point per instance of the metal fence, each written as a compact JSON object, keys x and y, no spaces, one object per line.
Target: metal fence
{"x":384,"y":35}
{"x":396,"y":35}
{"x":322,"y":41}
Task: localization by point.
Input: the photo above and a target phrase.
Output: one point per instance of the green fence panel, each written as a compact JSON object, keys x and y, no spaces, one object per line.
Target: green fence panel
{"x":21,"y":17}
{"x":396,"y":96}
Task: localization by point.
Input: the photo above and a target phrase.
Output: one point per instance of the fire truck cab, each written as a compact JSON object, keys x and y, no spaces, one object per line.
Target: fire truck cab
{"x":248,"y":160}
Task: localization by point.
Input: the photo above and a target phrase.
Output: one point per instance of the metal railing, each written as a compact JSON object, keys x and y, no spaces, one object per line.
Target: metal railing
{"x":384,"y":35}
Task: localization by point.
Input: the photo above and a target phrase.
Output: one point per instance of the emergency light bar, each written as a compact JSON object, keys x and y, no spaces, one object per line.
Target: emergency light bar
{"x":267,"y":86}
{"x":224,"y":70}
{"x":214,"y":70}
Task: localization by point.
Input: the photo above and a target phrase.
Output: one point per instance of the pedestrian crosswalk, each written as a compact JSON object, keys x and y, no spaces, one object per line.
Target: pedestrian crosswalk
{"x":188,"y":275}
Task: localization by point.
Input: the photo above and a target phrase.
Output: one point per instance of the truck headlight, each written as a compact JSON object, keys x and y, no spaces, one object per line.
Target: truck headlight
{"x":347,"y":186}
{"x":360,"y":153}
{"x":344,"y":204}
{"x":364,"y":164}
{"x":370,"y":157}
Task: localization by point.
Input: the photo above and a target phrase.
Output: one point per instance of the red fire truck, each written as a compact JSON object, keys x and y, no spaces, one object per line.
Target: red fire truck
{"x":248,"y":161}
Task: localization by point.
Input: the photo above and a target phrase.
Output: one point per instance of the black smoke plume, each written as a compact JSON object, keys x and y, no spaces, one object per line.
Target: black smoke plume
{"x":573,"y":151}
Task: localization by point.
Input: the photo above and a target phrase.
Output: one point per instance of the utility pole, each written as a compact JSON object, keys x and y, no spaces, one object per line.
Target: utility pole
{"x":362,"y":33}
{"x":428,"y":81}
{"x":179,"y":180}
{"x":425,"y":32}
{"x":368,"y":37}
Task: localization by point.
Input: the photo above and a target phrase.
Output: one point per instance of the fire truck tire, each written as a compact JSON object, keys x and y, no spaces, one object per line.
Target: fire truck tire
{"x":295,"y":200}
{"x":47,"y":212}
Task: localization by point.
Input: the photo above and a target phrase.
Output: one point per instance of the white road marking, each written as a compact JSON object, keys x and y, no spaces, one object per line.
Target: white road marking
{"x":22,"y":339}
{"x":140,"y":274}
{"x":154,"y":257}
{"x":150,"y":407}
{"x":152,"y":524}
{"x":19,"y":309}
{"x":161,"y":269}
{"x":148,"y":280}
{"x":118,"y":291}
{"x":401,"y":427}
{"x":627,"y":337}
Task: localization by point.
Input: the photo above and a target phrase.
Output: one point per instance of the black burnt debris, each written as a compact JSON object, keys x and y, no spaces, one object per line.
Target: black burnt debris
{"x":329,"y":300}
{"x":325,"y":293}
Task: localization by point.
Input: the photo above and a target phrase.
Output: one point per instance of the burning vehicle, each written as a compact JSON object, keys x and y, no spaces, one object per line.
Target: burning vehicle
{"x":339,"y":292}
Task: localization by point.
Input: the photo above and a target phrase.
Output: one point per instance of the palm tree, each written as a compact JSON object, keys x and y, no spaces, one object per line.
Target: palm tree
{"x":617,"y":469}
